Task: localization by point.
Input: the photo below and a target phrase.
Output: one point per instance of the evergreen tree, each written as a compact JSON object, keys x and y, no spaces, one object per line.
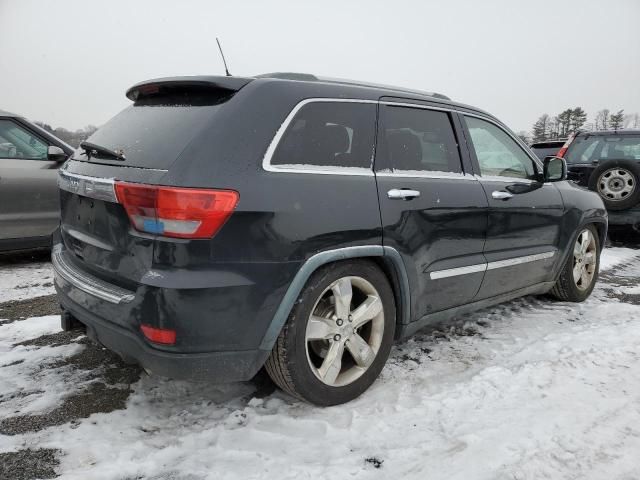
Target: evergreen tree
{"x":564,"y":122}
{"x":578,"y":119}
{"x":616,"y":119}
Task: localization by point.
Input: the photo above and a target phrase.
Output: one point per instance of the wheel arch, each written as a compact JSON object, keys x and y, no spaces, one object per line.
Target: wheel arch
{"x":599,"y":223}
{"x":386,"y":258}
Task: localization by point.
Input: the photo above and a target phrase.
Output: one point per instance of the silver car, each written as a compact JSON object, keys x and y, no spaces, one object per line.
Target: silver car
{"x":29,"y":204}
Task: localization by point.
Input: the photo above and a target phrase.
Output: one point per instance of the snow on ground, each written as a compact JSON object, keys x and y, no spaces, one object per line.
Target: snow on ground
{"x":23,"y":380}
{"x":615,"y":256}
{"x":525,"y":390}
{"x":25,"y":281}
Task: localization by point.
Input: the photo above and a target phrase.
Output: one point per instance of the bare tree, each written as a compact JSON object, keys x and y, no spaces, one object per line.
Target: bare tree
{"x":602,"y":119}
{"x":524,"y":136}
{"x":631,"y":120}
{"x":540,"y":129}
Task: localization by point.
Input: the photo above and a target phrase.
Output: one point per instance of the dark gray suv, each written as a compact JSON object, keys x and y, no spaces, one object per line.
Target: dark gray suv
{"x":222,"y":224}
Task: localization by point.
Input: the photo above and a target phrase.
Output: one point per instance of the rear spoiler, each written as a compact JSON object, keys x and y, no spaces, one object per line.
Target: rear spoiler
{"x":149,"y":87}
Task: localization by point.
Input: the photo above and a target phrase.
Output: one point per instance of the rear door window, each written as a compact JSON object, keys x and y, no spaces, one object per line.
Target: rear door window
{"x":328,"y":136}
{"x":416,"y":140}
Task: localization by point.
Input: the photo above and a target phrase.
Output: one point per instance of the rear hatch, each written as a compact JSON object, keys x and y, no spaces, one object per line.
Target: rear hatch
{"x":137,"y":146}
{"x":585,"y":152}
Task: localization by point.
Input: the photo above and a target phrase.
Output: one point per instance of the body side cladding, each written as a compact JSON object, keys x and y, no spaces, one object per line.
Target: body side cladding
{"x":324,"y":258}
{"x":537,"y":289}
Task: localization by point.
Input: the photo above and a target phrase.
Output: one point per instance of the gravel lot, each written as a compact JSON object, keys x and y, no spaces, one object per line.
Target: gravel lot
{"x":491,"y":395}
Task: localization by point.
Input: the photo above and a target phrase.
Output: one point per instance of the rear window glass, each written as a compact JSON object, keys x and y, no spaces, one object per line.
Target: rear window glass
{"x":327,"y":135}
{"x":542,"y":152}
{"x":155,"y":129}
{"x":590,"y":148}
{"x":416,"y":139}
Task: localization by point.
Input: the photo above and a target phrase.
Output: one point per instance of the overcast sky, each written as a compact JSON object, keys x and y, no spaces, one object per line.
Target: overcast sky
{"x":69,"y":62}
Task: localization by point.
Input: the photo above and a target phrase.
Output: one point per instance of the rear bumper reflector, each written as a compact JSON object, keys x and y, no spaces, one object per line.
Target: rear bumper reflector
{"x":87,"y":282}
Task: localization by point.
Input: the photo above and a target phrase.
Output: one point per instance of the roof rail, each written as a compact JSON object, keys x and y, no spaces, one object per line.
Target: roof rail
{"x":307,"y":77}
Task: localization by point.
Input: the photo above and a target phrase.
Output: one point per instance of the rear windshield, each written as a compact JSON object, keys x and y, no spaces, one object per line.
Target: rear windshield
{"x":592,"y":148}
{"x":542,"y":152}
{"x":155,"y":129}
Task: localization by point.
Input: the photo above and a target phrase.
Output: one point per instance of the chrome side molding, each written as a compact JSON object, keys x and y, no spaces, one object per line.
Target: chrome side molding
{"x":483,"y":267}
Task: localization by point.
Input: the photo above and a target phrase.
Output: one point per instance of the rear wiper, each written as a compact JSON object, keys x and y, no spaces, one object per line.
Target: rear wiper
{"x":93,"y":150}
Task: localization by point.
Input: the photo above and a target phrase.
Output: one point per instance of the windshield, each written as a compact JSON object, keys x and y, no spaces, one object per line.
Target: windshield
{"x":592,"y":148}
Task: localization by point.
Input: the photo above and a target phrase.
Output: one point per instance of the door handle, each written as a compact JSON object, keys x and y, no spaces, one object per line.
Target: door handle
{"x":498,"y":195}
{"x":402,"y":194}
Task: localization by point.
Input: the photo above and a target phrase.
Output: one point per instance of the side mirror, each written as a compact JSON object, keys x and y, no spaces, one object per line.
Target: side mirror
{"x":56,"y":154}
{"x":555,"y":169}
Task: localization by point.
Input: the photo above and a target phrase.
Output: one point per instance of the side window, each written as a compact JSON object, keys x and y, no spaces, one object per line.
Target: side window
{"x":498,"y":154}
{"x":329,"y":134}
{"x":416,"y":139}
{"x":18,"y":143}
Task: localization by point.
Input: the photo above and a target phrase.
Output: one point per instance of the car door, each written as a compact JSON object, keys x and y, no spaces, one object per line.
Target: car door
{"x":29,"y":203}
{"x":524,"y":213}
{"x":433,"y":212}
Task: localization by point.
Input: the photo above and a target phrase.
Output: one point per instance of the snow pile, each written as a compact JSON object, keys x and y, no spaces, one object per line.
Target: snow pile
{"x":26,"y":281}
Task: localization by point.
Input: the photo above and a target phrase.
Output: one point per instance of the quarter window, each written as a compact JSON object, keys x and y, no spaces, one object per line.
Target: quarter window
{"x":329,"y":135}
{"x":498,"y":154}
{"x":18,"y":143}
{"x":417,"y":139}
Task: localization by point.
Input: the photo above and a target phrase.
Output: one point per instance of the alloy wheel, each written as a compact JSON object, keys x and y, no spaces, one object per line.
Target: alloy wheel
{"x":616,"y":184}
{"x":584,"y":259}
{"x":345,"y":331}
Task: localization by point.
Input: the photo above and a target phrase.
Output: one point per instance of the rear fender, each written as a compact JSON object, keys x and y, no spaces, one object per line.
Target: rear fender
{"x":331,"y":256}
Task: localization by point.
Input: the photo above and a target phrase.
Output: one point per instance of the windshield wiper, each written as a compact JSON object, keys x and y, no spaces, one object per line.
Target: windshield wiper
{"x":93,"y":150}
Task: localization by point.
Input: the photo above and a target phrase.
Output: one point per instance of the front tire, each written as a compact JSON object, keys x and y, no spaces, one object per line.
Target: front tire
{"x":338,"y":336}
{"x":580,"y":271}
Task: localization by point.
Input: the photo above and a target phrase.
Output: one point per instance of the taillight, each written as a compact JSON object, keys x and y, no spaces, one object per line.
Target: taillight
{"x":176,"y":212}
{"x":565,"y":147}
{"x":163,"y":336}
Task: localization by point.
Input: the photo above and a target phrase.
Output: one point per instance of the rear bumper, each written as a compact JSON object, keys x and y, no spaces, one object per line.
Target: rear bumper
{"x":215,"y":367}
{"x":629,"y":218}
{"x":219,"y":326}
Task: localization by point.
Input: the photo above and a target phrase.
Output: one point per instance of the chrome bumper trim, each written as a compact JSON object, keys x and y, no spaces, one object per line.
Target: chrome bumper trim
{"x":87,"y":282}
{"x":92,"y":187}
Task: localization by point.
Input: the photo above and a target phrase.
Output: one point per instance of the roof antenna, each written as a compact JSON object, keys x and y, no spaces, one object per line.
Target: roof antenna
{"x":223,"y":60}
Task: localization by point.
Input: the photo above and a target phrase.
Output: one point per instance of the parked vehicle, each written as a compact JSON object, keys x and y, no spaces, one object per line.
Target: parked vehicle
{"x":220,"y":224}
{"x":29,"y":199}
{"x":547,"y":148}
{"x":608,"y":162}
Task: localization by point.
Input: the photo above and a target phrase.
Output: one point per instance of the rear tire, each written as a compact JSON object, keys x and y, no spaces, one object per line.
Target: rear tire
{"x":618,"y":183}
{"x":580,"y":271}
{"x":323,"y":358}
